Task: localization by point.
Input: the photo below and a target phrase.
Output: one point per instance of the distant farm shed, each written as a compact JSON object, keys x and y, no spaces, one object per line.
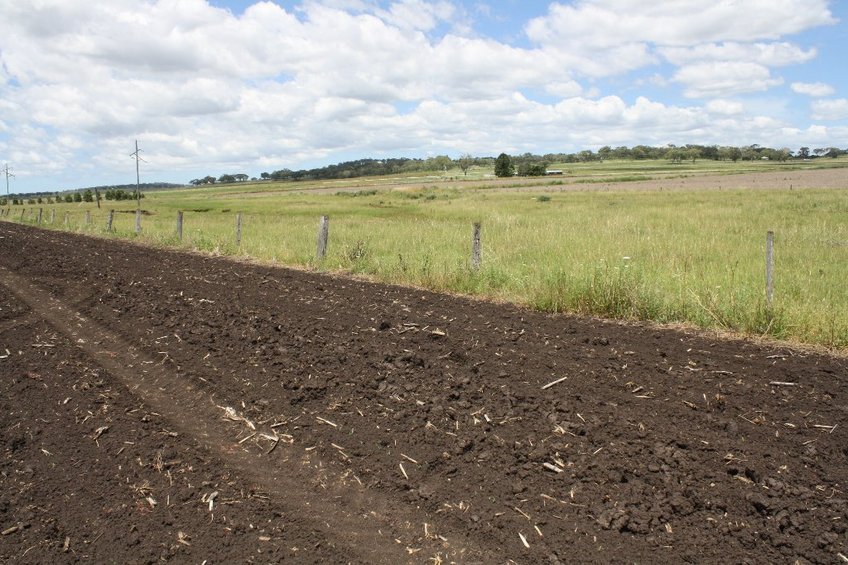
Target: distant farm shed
{"x":553,"y":171}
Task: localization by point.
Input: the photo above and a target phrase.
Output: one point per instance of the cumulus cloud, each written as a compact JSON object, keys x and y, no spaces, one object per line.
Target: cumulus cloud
{"x":814,"y":89}
{"x":609,"y":23}
{"x":767,"y":54}
{"x":718,"y":79}
{"x":610,"y":37}
{"x":271,"y":87}
{"x":725,"y":107}
{"x":835,"y":109}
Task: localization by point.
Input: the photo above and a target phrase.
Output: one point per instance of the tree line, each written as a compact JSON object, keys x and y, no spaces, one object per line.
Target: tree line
{"x":528,"y":164}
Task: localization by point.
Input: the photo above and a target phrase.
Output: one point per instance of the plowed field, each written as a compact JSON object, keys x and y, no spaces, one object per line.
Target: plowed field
{"x":159,"y":406}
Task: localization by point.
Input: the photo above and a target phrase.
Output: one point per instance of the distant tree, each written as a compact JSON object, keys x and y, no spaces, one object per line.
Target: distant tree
{"x":641,"y":152}
{"x":465,"y":161}
{"x":88,"y":196}
{"x":503,"y":166}
{"x":226,"y":179}
{"x":241,"y":177}
{"x":39,"y":200}
{"x":709,"y":152}
{"x":675,"y":154}
{"x":693,"y":153}
{"x":804,"y":153}
{"x":585,"y":156}
{"x":622,"y":152}
{"x":439,"y":163}
{"x":537,"y":169}
{"x":265,"y":176}
{"x":69,"y":198}
{"x":730,"y":154}
{"x":77,"y":197}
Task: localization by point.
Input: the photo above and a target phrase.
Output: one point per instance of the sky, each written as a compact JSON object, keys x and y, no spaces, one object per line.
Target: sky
{"x":209,"y":87}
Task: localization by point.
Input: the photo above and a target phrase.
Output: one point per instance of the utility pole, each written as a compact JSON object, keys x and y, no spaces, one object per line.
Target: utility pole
{"x":137,"y":178}
{"x":8,"y":173}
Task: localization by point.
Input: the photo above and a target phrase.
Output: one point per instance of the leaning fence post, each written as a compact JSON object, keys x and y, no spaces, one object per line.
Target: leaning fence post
{"x":40,"y":213}
{"x":476,"y":247}
{"x":323,"y":235}
{"x":238,"y":229}
{"x":769,"y":268}
{"x":180,"y":225}
{"x":22,"y":214}
{"x":138,"y":220}
{"x":109,"y":221}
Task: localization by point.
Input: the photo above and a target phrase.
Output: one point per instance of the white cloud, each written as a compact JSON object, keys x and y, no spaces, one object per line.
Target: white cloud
{"x":719,"y":79}
{"x":417,"y":14}
{"x":725,"y":107}
{"x":205,"y":89}
{"x":767,"y":54}
{"x":610,"y":23}
{"x":835,"y":109}
{"x":610,"y":37}
{"x":564,"y":89}
{"x":814,"y":89}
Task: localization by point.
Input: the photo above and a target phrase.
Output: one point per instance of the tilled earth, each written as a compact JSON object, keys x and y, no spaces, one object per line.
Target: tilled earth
{"x":163,"y":406}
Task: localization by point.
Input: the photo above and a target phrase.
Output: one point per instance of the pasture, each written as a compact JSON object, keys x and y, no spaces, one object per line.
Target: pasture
{"x":589,"y":242}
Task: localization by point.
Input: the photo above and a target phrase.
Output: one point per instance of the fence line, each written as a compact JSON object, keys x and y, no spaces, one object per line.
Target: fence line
{"x":323,"y":238}
{"x":769,"y":268}
{"x":476,"y":246}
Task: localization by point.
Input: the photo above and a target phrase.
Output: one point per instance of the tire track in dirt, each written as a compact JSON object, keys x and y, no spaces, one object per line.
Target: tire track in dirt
{"x":369,"y":525}
{"x":661,"y":446}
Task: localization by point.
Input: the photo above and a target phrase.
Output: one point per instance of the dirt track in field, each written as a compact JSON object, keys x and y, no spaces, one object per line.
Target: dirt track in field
{"x":160,"y":406}
{"x":789,"y":179}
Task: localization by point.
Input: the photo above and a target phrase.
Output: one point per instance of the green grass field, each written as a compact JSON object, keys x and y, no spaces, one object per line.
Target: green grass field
{"x":694,"y":257}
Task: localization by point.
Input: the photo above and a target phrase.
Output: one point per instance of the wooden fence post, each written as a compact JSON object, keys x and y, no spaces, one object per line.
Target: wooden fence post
{"x":180,"y":225}
{"x":52,"y":216}
{"x":238,"y":230}
{"x":323,"y":236}
{"x":40,"y":214}
{"x":769,"y":268}
{"x":138,"y":220}
{"x":476,"y":247}
{"x":88,"y":217}
{"x":108,"y":222}
{"x":67,"y":219}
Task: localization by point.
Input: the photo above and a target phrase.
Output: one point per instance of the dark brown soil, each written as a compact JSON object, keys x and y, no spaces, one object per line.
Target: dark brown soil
{"x":342,"y":421}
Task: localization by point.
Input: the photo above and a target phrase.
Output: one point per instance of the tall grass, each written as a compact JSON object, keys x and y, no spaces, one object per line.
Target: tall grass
{"x":694,"y":257}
